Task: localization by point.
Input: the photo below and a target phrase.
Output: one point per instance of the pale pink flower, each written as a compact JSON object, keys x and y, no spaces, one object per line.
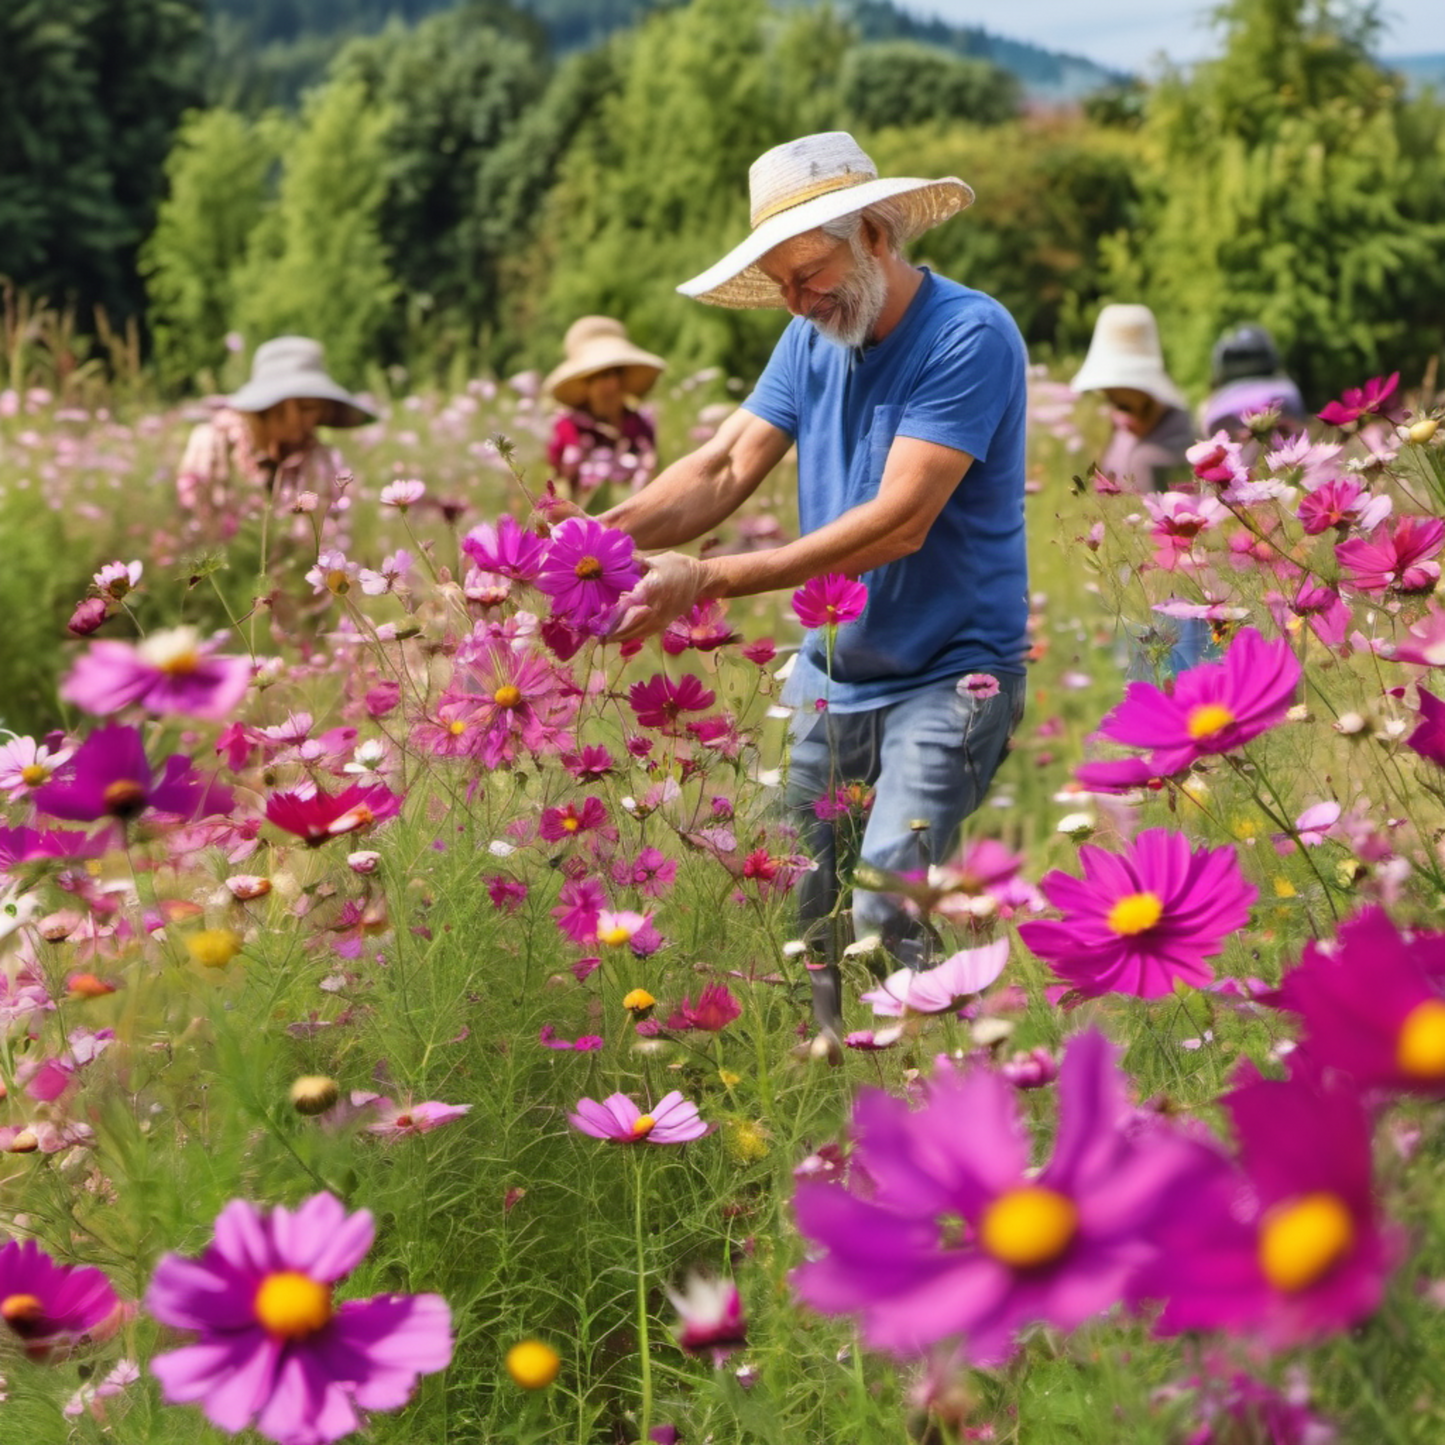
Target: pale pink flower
{"x":402,"y":494}
{"x":26,"y":765}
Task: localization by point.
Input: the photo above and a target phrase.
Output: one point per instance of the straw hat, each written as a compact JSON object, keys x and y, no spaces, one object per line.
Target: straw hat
{"x":795,"y":188}
{"x":598,"y":343}
{"x":295,"y":367}
{"x":1125,"y":351}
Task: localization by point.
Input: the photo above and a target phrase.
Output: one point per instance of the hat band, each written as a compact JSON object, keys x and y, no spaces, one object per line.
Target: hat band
{"x":810,"y":193}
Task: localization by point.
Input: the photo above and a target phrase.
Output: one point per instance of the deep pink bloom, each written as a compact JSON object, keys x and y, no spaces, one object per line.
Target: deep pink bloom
{"x":829,"y":600}
{"x":672,"y":1120}
{"x":761,"y":652}
{"x":561,"y":824}
{"x":1397,"y":560}
{"x":1424,"y":643}
{"x":1238,"y":1407}
{"x":1371,"y":1006}
{"x":1428,"y":738}
{"x":651,"y":873}
{"x":714,"y":1010}
{"x":583,"y":1044}
{"x":401,"y":1121}
{"x":587,"y":568}
{"x":27,"y":845}
{"x":579,"y":905}
{"x":589,"y":763}
{"x":1215,"y":707}
{"x":943,"y":988}
{"x":111,"y":777}
{"x":1217,"y":461}
{"x":1138,"y":921}
{"x":1288,"y":1248}
{"x":1341,"y":504}
{"x":1361,"y":401}
{"x":943,"y":1231}
{"x":89,"y":616}
{"x":506,"y":549}
{"x":522,"y":700}
{"x":46,"y":1304}
{"x":508,"y":894}
{"x":318,"y":816}
{"x":275,"y":1351}
{"x":659,"y":701}
{"x":704,"y":628}
{"x":710,"y":1317}
{"x":172,"y":671}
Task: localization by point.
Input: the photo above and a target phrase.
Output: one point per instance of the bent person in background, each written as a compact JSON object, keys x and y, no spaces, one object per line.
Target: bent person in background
{"x":1249,"y":384}
{"x":261,"y":449}
{"x":905,"y":395}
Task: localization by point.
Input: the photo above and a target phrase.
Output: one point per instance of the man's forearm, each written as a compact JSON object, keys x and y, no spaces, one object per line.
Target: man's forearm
{"x":683,"y":503}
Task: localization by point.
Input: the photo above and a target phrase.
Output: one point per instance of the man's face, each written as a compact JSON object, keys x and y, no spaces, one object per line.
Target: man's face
{"x":840,"y":286}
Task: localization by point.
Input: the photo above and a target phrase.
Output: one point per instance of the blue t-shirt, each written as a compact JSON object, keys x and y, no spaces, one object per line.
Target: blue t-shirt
{"x":952,"y":372}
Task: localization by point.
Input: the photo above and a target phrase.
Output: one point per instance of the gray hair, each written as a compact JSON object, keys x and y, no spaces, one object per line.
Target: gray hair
{"x":888,"y":216}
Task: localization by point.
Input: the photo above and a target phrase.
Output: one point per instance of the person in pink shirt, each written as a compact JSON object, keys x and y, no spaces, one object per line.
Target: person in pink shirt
{"x":602,"y":437}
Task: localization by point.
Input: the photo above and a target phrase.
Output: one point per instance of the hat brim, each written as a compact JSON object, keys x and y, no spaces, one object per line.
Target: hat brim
{"x":738,"y":281}
{"x":1134,"y":373}
{"x":640,"y":370}
{"x":345,"y":410}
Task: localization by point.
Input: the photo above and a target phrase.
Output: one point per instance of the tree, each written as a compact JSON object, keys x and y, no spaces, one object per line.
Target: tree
{"x":903,"y":83}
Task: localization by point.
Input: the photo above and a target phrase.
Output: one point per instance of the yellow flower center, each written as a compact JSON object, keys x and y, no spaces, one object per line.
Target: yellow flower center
{"x":123,"y":796}
{"x":456,"y":728}
{"x":1302,"y":1240}
{"x":1209,"y":719}
{"x":291,"y":1305}
{"x":1136,"y":913}
{"x":571,"y":825}
{"x":533,"y":1365}
{"x":174,"y":650}
{"x":33,"y":774}
{"x":587,"y":568}
{"x":20,"y":1310}
{"x":1420,"y":1050}
{"x":507,"y":695}
{"x":638,"y":999}
{"x":1028,"y":1227}
{"x":643,"y":1125}
{"x":338,"y":582}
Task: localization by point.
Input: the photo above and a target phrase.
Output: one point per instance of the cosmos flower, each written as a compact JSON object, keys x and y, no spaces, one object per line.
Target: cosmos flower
{"x":587,"y":568}
{"x":1398,"y":560}
{"x":317,"y":816}
{"x":27,"y":845}
{"x":672,"y":1120}
{"x":1215,"y":706}
{"x":943,"y":1231}
{"x":710,"y":1316}
{"x":1428,"y":738}
{"x":1361,"y":401}
{"x":1138,"y":921}
{"x":26,"y":765}
{"x":1342,"y":504}
{"x":829,"y":600}
{"x":579,"y":906}
{"x":507,"y":549}
{"x":714,"y":1010}
{"x":274,"y":1349}
{"x":941,"y":989}
{"x":45,"y":1304}
{"x":659,"y":701}
{"x":402,"y":1121}
{"x":522,"y":701}
{"x":623,"y":928}
{"x":560,"y":824}
{"x":1424,"y":643}
{"x":703,"y":627}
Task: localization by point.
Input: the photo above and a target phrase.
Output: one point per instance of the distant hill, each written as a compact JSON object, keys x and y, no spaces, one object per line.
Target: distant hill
{"x":1419,"y":70}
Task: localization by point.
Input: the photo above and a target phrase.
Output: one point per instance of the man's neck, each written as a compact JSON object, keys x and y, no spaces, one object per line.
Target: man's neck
{"x":903,"y":283}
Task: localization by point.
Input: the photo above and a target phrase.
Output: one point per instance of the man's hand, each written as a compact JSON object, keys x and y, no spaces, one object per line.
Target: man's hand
{"x":672,"y":583}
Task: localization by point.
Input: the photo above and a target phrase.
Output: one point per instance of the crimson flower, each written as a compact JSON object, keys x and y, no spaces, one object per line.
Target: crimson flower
{"x":1361,"y":401}
{"x":704,"y":628}
{"x":1428,"y":738}
{"x":317,"y":816}
{"x":559,"y":824}
{"x":1398,"y":560}
{"x":714,"y":1010}
{"x":659,"y":701}
{"x":1341,"y":504}
{"x":829,"y":600}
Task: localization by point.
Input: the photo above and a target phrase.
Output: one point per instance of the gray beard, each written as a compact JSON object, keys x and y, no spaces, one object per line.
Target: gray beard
{"x":859,"y":302}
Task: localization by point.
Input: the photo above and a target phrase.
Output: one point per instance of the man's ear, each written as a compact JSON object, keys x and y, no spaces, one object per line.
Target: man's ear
{"x":874,"y":238}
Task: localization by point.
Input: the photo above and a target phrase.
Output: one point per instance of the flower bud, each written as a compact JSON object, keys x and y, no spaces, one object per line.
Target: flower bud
{"x":247,"y":886}
{"x":314,"y":1094}
{"x":87,"y":617}
{"x":1423,"y":430}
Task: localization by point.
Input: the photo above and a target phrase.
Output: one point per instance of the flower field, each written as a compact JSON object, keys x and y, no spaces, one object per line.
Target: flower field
{"x":401,"y":1027}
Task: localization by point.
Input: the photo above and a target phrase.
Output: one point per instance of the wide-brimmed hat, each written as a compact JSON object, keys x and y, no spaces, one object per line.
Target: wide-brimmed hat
{"x":797,"y":187}
{"x":598,"y":343}
{"x":1124,"y":351}
{"x":294,"y":367}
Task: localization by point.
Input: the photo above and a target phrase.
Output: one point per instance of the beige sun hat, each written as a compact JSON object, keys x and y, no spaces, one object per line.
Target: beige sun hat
{"x":1125,"y":351}
{"x":798,"y":187}
{"x":598,"y":343}
{"x":295,"y":367}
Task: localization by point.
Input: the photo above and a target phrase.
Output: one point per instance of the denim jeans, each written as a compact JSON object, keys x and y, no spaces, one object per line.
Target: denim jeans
{"x":929,"y":760}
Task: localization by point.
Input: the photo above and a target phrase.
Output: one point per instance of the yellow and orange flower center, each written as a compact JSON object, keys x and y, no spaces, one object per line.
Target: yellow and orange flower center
{"x":403,"y":1121}
{"x":1029,"y":1227}
{"x":21,"y":1310}
{"x":456,"y":728}
{"x":615,"y":937}
{"x":338,"y":582}
{"x":587,"y":568}
{"x":173,"y":650}
{"x":1420,"y":1049}
{"x":292,"y":1305}
{"x":1209,"y":719}
{"x":507,"y":695}
{"x":33,"y":774}
{"x":643,"y":1125}
{"x":1301,"y":1240}
{"x":1135,"y":913}
{"x":123,"y":795}
{"x":638,"y":998}
{"x":571,"y":825}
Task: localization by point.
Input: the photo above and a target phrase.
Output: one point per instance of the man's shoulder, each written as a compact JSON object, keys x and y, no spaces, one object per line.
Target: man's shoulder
{"x":958,"y":315}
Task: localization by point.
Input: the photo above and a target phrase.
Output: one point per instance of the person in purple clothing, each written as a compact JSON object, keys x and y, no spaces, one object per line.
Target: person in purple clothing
{"x":1248,"y":381}
{"x":905,"y":395}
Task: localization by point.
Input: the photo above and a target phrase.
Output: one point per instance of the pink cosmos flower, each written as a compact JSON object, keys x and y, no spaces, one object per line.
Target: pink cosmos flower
{"x":117,"y":580}
{"x":1138,"y":921}
{"x":583,"y":1044}
{"x":275,"y":1351}
{"x":1428,"y":738}
{"x":393,"y":573}
{"x":829,"y":600}
{"x":978,"y":685}
{"x":1215,"y":707}
{"x":944,"y":1231}
{"x":508,"y":894}
{"x":651,"y":873}
{"x":168,"y":672}
{"x":587,"y":568}
{"x":1218,"y":461}
{"x":1321,"y":607}
{"x":506,"y":549}
{"x":1289,"y":1247}
{"x":333,"y":573}
{"x":659,"y":701}
{"x":26,"y":765}
{"x":522,"y":701}
{"x":704,"y":627}
{"x":589,"y":763}
{"x":1398,"y":560}
{"x":317,"y":816}
{"x":579,"y":905}
{"x":1342,"y":504}
{"x":710,"y":1317}
{"x":761,"y":652}
{"x":402,"y":494}
{"x":714,"y":1010}
{"x":622,"y":928}
{"x":48,"y":1305}
{"x":402,"y":1121}
{"x":1424,"y":643}
{"x":672,"y":1120}
{"x":942,"y":989}
{"x":1361,"y":401}
{"x":561,"y":824}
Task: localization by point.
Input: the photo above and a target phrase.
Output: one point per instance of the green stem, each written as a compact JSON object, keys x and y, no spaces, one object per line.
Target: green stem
{"x":644,"y":1344}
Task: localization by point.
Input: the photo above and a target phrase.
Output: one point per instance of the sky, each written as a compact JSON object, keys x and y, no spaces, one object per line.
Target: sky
{"x":1129,"y":34}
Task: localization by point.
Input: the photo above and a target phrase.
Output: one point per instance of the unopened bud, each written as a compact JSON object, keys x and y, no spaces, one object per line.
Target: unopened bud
{"x":1423,"y":430}
{"x":314,"y":1094}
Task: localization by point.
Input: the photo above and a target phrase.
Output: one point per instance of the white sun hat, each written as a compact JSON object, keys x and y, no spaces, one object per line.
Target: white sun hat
{"x":294,"y":367}
{"x":797,"y":187}
{"x":598,"y":343}
{"x":1124,"y":351}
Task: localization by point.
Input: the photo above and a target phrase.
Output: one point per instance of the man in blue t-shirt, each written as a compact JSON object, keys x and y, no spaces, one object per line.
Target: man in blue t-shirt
{"x":905,"y":395}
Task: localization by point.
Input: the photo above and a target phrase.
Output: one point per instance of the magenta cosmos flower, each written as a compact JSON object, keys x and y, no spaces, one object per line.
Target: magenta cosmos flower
{"x":1359,"y":402}
{"x":587,"y":568}
{"x":111,"y":777}
{"x":275,"y":1350}
{"x":709,"y":1316}
{"x":1428,"y":737}
{"x":955,"y":1236}
{"x":318,"y":816}
{"x":714,"y":1010}
{"x":522,"y":700}
{"x":672,"y":1120}
{"x":46,"y":1304}
{"x":1371,"y":1005}
{"x":1139,"y":920}
{"x":659,"y":702}
{"x":1214,"y":708}
{"x":506,"y":549}
{"x":829,"y":600}
{"x":1288,"y":1247}
{"x":1398,"y":559}
{"x":172,"y":671}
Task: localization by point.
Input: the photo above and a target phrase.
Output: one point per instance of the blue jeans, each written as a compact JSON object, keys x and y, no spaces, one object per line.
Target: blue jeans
{"x":929,"y":760}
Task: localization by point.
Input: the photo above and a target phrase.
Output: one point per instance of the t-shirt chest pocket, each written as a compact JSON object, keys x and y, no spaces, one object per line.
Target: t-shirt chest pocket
{"x":881,"y":432}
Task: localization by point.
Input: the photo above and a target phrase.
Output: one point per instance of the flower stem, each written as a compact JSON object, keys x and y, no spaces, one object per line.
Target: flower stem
{"x":644,"y":1344}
